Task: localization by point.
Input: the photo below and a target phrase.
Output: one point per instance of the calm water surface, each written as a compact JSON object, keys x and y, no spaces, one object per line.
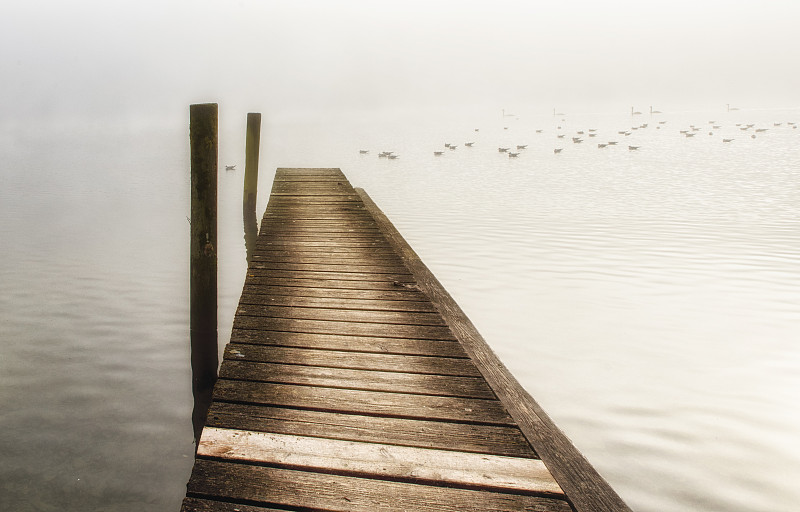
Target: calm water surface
{"x":647,"y":299}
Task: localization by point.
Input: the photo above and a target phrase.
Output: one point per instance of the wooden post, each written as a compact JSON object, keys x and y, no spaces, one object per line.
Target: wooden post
{"x":203,"y":259}
{"x":252,"y":143}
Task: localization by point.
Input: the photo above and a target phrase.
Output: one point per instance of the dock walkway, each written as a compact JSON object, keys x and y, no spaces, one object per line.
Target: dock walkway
{"x":353,"y":382}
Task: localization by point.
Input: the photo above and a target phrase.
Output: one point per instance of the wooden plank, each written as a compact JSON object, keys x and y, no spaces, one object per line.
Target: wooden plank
{"x":337,"y":276}
{"x":340,"y":267}
{"x":333,"y":189}
{"x":268,"y":242}
{"x":341,"y":315}
{"x":385,"y":461}
{"x":423,"y":365}
{"x":319,"y":236}
{"x":260,"y":280}
{"x":369,"y":380}
{"x":310,"y":171}
{"x":338,"y":303}
{"x":300,"y":292}
{"x":428,"y":332}
{"x":330,"y":229}
{"x":397,"y":405}
{"x":313,"y":180}
{"x":315,"y":491}
{"x":201,"y":505}
{"x":349,"y":343}
{"x":305,"y":199}
{"x":474,"y":438}
{"x":587,"y":490}
{"x":375,"y":253}
{"x":489,"y":439}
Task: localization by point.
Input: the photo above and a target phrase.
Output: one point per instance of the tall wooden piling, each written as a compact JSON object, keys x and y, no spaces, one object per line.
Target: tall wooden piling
{"x":203,"y":258}
{"x":252,"y":143}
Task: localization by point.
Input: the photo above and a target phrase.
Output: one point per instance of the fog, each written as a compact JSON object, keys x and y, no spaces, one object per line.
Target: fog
{"x":139,"y":59}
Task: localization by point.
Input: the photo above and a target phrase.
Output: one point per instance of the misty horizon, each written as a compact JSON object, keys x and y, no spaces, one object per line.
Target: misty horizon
{"x":91,"y":59}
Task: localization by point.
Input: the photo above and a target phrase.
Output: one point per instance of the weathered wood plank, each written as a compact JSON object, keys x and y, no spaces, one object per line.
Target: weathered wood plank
{"x":587,"y":490}
{"x":394,"y":295}
{"x":349,"y":343}
{"x":490,"y":439}
{"x":310,"y":171}
{"x":368,"y":254}
{"x":428,"y":332}
{"x":398,"y":286}
{"x":330,"y":229}
{"x":423,"y":365}
{"x":404,"y":277}
{"x":338,"y":303}
{"x":369,"y":380}
{"x":201,"y":505}
{"x":284,"y":243}
{"x":326,"y":267}
{"x":397,"y":405}
{"x":385,"y":461}
{"x":340,"y":315}
{"x":316,"y":491}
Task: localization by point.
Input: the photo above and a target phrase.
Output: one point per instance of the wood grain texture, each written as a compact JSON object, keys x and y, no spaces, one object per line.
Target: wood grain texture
{"x":368,"y":380}
{"x":395,"y":405}
{"x":336,"y":303}
{"x":350,"y":343}
{"x":430,"y":332}
{"x":586,"y":489}
{"x":341,"y":314}
{"x":317,"y":491}
{"x":353,"y":360}
{"x":489,"y":439}
{"x":401,"y":463}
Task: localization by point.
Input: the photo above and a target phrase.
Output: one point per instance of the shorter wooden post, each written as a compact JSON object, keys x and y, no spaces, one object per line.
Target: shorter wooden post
{"x":203,"y":259}
{"x":252,"y":143}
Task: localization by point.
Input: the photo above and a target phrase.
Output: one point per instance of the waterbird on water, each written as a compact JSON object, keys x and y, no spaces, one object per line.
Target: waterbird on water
{"x":230,"y":167}
{"x":633,"y":148}
{"x":513,"y":155}
{"x":522,"y":146}
{"x":363,"y":151}
{"x":557,"y":150}
{"x":727,"y":140}
{"x":654,"y":111}
{"x":635,"y":112}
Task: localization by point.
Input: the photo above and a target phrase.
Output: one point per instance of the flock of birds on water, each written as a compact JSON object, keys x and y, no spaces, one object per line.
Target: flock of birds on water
{"x":579,"y":136}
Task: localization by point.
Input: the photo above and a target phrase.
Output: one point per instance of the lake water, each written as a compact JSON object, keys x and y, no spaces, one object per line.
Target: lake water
{"x":649,"y":300}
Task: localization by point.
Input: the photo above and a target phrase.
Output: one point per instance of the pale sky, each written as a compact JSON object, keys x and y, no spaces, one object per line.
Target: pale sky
{"x":88,"y":58}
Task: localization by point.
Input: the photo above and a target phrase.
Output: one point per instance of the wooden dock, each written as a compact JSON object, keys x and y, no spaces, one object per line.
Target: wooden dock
{"x":354,"y":382}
